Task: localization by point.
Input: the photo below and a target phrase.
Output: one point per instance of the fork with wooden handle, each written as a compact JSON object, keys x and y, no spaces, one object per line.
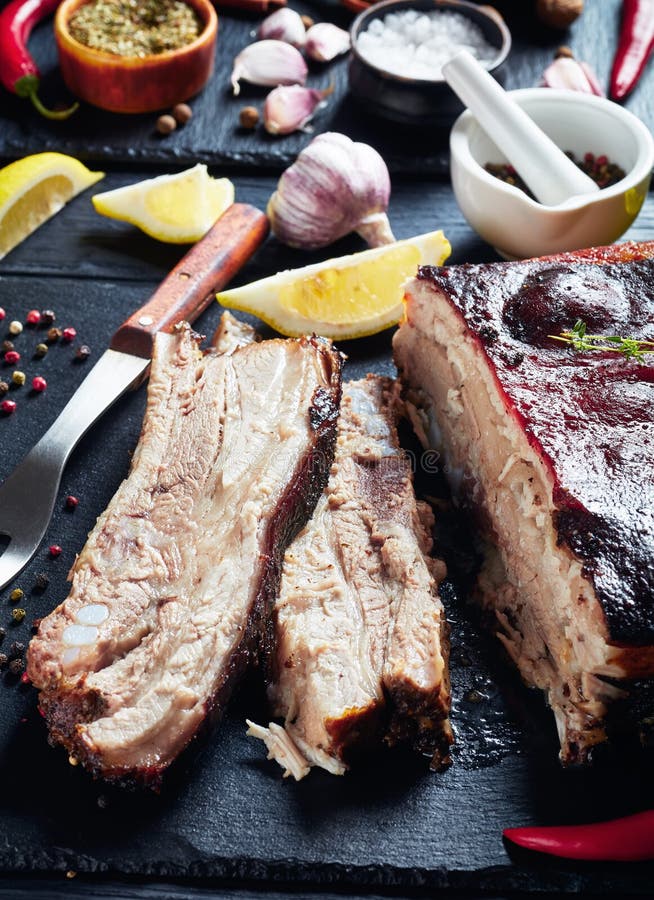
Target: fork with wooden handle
{"x":185,"y":293}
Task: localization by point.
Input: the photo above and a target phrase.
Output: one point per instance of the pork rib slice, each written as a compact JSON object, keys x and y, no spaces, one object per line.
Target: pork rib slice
{"x":360,"y":635}
{"x":551,"y":449}
{"x":170,"y":591}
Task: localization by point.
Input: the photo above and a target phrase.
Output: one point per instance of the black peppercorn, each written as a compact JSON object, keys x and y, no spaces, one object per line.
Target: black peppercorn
{"x":2,"y":633}
{"x":17,"y":649}
{"x":4,"y":659}
{"x":7,"y":346}
{"x":41,"y":581}
{"x":16,"y":666}
{"x":4,"y":387}
{"x":83,"y":352}
{"x":47,"y":317}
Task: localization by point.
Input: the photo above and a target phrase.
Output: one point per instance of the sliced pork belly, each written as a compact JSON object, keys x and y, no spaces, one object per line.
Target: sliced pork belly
{"x":360,"y":637}
{"x":552,"y":449}
{"x":169,"y":594}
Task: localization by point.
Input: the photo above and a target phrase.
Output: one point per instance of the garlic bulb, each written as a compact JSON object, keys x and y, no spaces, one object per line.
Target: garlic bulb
{"x":324,"y":42}
{"x":283,"y":25}
{"x":289,"y":107}
{"x":335,"y":186}
{"x":269,"y":63}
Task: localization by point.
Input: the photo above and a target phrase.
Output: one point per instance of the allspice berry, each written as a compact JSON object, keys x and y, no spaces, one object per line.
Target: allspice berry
{"x":166,"y":124}
{"x":248,"y":117}
{"x":559,"y":13}
{"x":182,"y":112}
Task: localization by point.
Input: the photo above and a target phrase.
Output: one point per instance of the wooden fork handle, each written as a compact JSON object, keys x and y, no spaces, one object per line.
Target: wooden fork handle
{"x":190,"y":287}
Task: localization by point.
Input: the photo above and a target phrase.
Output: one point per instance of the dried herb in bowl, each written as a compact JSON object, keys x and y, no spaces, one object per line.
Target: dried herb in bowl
{"x":134,"y":28}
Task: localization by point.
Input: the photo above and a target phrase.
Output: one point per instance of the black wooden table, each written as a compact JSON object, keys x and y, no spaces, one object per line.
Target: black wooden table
{"x":225,"y":823}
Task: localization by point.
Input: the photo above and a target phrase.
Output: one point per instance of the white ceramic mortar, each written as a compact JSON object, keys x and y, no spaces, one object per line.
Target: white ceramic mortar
{"x":519,"y":227}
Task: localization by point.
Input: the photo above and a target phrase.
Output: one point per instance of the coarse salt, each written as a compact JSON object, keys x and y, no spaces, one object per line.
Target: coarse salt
{"x":416,"y":44}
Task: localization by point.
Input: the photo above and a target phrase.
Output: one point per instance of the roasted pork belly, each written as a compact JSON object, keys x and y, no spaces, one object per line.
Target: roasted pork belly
{"x":360,"y":640}
{"x":169,"y":595}
{"x":551,"y":450}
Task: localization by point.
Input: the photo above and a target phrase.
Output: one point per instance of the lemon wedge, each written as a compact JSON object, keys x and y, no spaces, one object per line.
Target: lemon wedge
{"x":35,"y":188}
{"x":346,"y":297}
{"x":178,"y":209}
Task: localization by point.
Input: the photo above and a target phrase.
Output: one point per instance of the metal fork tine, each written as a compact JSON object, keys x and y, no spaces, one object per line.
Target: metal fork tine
{"x":14,"y":558}
{"x":25,"y":512}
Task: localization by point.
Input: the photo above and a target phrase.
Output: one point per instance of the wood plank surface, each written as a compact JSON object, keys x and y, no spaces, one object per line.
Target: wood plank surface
{"x":213,"y":136}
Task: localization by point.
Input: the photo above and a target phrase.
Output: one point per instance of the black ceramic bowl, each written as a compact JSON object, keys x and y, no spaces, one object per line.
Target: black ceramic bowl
{"x":419,"y":101}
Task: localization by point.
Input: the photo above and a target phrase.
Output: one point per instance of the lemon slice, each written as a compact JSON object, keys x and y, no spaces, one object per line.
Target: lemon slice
{"x":347,"y":297}
{"x":178,"y":209}
{"x":35,"y":188}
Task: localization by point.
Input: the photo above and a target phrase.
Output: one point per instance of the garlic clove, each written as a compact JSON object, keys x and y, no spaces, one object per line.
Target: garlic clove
{"x":289,"y":108}
{"x":593,"y":80}
{"x":324,"y":42}
{"x":283,"y":25}
{"x":269,"y":63}
{"x":335,"y":186}
{"x":566,"y":73}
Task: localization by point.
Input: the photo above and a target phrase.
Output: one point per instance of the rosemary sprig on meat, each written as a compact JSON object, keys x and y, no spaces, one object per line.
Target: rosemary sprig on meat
{"x":578,"y":339}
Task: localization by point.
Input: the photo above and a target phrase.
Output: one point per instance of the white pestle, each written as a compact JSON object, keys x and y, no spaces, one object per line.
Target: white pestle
{"x":548,"y":173}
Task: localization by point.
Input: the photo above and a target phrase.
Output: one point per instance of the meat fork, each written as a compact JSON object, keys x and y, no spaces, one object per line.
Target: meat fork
{"x":25,"y":513}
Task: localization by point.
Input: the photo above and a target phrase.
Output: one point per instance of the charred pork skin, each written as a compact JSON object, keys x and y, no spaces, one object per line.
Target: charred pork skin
{"x":360,"y":643}
{"x":552,"y":450}
{"x":170,"y":594}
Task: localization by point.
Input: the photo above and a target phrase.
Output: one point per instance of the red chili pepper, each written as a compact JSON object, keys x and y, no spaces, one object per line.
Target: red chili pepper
{"x":619,"y":840}
{"x":634,"y":47}
{"x":18,"y":71}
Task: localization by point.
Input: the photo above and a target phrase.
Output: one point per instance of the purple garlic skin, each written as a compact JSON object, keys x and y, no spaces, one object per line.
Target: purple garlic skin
{"x":334,"y":187}
{"x":269,"y":63}
{"x":289,"y":108}
{"x":324,"y":42}
{"x":283,"y":25}
{"x":568,"y":74}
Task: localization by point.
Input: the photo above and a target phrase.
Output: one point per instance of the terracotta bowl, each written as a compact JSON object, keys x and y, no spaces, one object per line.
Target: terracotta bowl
{"x":132,"y":84}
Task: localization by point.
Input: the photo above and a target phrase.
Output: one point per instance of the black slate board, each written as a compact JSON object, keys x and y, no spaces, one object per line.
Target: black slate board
{"x":225,"y":812}
{"x":213,"y":135}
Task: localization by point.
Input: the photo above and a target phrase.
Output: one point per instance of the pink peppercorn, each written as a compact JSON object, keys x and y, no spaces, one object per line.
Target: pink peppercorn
{"x":8,"y":406}
{"x":33,"y":317}
{"x":69,"y":334}
{"x":71,"y":502}
{"x":12,"y":357}
{"x":2,"y":314}
{"x":39,"y":383}
{"x":25,"y":680}
{"x":54,"y":551}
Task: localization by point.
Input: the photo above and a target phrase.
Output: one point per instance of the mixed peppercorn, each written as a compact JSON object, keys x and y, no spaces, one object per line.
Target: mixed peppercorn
{"x":13,"y":347}
{"x":603,"y":172}
{"x":11,"y":356}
